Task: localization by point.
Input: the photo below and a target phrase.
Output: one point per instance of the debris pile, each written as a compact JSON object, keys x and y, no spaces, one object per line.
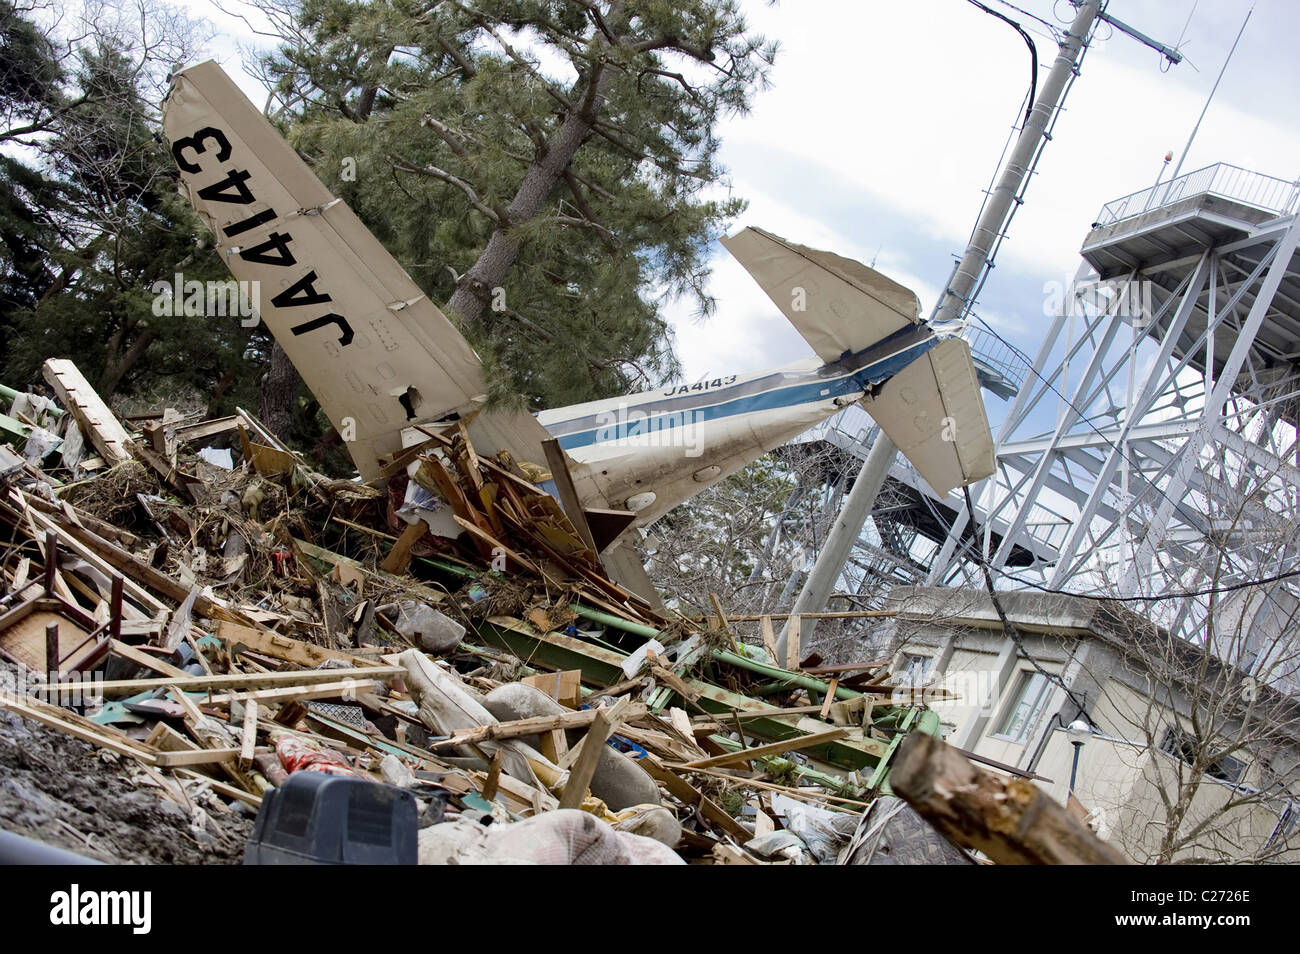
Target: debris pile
{"x":193,"y":601}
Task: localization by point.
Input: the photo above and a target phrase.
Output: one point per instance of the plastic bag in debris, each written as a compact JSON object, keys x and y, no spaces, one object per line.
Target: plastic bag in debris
{"x":418,"y":503}
{"x":633,"y":663}
{"x":37,"y":408}
{"x":431,"y":630}
{"x":39,"y":443}
{"x":780,"y":845}
{"x":563,"y":837}
{"x":218,"y":457}
{"x":824,"y":832}
{"x":299,"y":755}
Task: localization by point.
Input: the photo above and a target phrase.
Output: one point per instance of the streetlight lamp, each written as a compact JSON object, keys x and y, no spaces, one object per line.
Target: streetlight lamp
{"x":1078,"y":731}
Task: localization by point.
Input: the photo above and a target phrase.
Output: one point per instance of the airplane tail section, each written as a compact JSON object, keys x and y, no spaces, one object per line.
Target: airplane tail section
{"x":932,"y":409}
{"x":837,"y":304}
{"x":934,"y":412}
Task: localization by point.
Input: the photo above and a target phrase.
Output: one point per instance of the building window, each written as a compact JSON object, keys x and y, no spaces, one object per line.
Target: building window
{"x":1028,"y":703}
{"x":1183,"y":745}
{"x":916,"y":668}
{"x":1286,"y":826}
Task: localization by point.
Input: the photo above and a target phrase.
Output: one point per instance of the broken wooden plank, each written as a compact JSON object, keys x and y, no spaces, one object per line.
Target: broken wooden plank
{"x":769,"y":639}
{"x":147,"y":660}
{"x":241,"y":680}
{"x":771,"y":748}
{"x":1009,"y":819}
{"x":688,"y":794}
{"x":398,"y":560}
{"x":223,"y":789}
{"x":830,"y":699}
{"x":284,"y":647}
{"x":343,"y":689}
{"x":555,"y":460}
{"x":519,"y":728}
{"x":195,"y":757}
{"x":92,"y":414}
{"x":248,"y":740}
{"x":584,"y":767}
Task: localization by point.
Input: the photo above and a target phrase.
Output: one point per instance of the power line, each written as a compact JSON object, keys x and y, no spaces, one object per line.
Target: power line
{"x":1033,"y":54}
{"x":1191,"y":594}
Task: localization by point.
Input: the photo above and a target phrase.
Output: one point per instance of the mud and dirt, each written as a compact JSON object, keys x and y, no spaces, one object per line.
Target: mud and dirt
{"x":69,"y":794}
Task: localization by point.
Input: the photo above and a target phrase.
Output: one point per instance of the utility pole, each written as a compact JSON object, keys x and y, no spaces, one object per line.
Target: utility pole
{"x":952,"y":307}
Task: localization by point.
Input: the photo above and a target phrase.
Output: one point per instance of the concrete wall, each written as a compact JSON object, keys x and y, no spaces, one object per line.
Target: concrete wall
{"x":1119,"y":776}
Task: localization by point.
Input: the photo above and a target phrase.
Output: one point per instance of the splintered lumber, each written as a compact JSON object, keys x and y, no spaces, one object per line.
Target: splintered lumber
{"x":222,"y":788}
{"x":568,"y":492}
{"x":493,"y":781}
{"x":769,"y":638}
{"x":326,"y":690}
{"x":399,"y":558}
{"x":535,"y":725}
{"x":771,"y":748}
{"x":248,"y":738}
{"x":793,"y":633}
{"x":584,"y":766}
{"x":1009,"y":819}
{"x":97,"y":421}
{"x":830,"y":699}
{"x":195,"y":757}
{"x":688,"y":794}
{"x":147,"y":660}
{"x":283,"y":647}
{"x":240,"y":680}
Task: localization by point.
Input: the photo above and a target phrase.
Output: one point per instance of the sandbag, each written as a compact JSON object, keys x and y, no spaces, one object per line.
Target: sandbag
{"x":564,"y":837}
{"x":445,"y":706}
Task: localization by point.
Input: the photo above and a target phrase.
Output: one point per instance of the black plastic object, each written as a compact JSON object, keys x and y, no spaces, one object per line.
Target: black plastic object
{"x":20,"y":850}
{"x":322,"y":819}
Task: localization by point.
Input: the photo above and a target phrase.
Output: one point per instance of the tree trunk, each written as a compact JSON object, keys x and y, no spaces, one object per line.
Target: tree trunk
{"x":476,"y":286}
{"x":116,"y":369}
{"x":279,"y":389}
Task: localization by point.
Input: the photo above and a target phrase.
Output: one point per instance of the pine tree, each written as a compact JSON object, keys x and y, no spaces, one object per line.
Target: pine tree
{"x":92,"y":227}
{"x":546,"y":167}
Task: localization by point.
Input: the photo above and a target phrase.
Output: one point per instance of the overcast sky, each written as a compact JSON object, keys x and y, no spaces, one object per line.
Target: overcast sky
{"x":885,"y":122}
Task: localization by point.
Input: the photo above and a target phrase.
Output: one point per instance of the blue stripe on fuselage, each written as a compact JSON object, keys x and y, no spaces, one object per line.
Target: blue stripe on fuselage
{"x":654,"y":416}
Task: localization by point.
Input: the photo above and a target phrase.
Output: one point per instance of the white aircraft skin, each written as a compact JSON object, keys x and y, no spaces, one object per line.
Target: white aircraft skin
{"x":381,"y":358}
{"x":677,"y":440}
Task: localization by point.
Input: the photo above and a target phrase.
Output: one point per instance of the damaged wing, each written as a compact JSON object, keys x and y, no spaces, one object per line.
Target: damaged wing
{"x":376,"y":353}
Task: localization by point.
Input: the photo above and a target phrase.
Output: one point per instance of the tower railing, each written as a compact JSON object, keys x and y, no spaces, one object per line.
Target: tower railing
{"x":1267,"y":193}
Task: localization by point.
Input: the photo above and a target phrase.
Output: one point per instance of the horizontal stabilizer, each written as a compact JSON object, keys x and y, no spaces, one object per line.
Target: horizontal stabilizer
{"x":837,"y":304}
{"x":934,"y":412}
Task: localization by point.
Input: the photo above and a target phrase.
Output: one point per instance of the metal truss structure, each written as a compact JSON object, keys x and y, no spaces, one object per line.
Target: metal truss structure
{"x":1151,"y":451}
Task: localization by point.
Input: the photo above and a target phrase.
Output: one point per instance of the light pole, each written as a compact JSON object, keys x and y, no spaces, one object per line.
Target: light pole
{"x":1078,"y":731}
